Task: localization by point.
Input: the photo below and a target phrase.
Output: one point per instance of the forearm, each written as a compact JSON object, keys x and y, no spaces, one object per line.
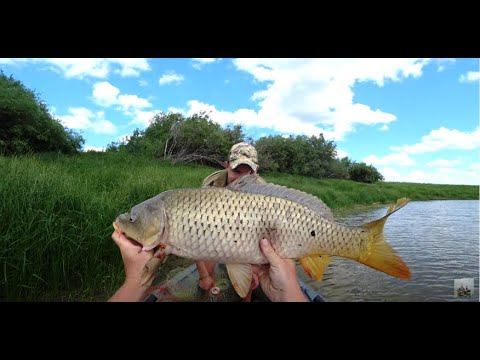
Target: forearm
{"x":294,"y":294}
{"x":202,"y":269}
{"x":129,"y":292}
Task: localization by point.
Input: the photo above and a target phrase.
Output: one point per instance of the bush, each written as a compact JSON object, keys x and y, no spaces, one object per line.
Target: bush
{"x":364,"y":173}
{"x":301,"y":155}
{"x":339,"y":169}
{"x":171,"y":136}
{"x":26,"y":126}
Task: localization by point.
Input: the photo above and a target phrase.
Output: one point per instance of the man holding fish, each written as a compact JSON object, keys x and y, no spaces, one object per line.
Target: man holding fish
{"x":278,"y":280}
{"x":223,"y":222}
{"x":242,"y":160}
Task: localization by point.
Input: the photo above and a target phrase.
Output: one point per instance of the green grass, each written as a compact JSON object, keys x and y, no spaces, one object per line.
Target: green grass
{"x":341,"y":194}
{"x":56,"y":215}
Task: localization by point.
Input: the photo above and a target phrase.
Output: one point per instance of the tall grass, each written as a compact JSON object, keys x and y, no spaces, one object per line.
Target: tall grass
{"x":56,"y":215}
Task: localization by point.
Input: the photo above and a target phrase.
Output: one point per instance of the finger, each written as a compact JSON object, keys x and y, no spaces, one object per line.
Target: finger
{"x":123,"y":242}
{"x":259,"y":270}
{"x":116,"y":236}
{"x":256,"y":269}
{"x":120,"y":238}
{"x":255,"y":281}
{"x":269,"y":252}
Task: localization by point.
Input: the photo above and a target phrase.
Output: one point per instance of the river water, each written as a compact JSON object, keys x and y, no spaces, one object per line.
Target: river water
{"x":438,"y":240}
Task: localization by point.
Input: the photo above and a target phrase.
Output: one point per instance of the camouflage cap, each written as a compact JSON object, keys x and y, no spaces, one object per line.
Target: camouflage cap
{"x":243,"y":153}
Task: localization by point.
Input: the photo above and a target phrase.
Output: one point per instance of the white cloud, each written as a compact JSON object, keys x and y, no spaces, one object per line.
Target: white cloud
{"x":341,"y":154}
{"x":93,"y":148}
{"x":443,"y":138}
{"x":144,"y":117}
{"x":474,"y":167}
{"x":313,"y":96}
{"x":177,"y":110}
{"x":445,"y":176}
{"x":105,"y":94}
{"x":248,"y":117}
{"x":130,"y":67}
{"x":13,"y":61}
{"x":132,"y":102}
{"x":103,"y":126}
{"x":79,"y":68}
{"x":471,"y":76}
{"x":199,"y":63}
{"x":398,"y":159}
{"x":142,"y":82}
{"x":79,"y":118}
{"x":170,"y":77}
{"x":87,"y":67}
{"x":384,"y":128}
{"x":444,"y":163}
{"x":439,"y":175}
{"x":390,"y":174}
{"x":419,"y":176}
{"x":244,"y":116}
{"x":84,"y":119}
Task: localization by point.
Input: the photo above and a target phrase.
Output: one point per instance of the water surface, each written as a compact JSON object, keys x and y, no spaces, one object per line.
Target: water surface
{"x":438,"y":240}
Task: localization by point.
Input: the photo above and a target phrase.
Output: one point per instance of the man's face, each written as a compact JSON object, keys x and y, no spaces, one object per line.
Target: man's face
{"x":240,"y":170}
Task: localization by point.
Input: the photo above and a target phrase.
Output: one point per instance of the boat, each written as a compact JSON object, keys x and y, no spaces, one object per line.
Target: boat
{"x":182,"y":286}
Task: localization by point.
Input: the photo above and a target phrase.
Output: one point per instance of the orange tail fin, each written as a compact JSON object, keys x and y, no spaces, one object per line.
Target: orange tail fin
{"x":378,"y":254}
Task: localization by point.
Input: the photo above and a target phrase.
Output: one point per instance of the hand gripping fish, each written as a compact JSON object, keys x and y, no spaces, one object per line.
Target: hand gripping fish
{"x":225,"y":225}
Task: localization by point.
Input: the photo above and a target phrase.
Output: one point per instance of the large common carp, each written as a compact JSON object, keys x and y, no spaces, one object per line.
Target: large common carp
{"x":225,"y":225}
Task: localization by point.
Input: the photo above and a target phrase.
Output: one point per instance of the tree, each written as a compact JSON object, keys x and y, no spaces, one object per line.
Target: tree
{"x":364,"y":173}
{"x":174,"y":137}
{"x":339,"y":168}
{"x":26,"y":126}
{"x":301,"y":155}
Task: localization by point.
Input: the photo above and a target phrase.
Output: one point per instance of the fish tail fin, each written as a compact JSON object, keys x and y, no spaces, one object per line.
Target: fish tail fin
{"x":379,"y":254}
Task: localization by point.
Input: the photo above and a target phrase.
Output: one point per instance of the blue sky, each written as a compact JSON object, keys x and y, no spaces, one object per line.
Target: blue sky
{"x":415,"y":120}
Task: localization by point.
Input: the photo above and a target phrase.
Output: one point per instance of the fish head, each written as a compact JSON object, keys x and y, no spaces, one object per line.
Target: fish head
{"x":145,"y":223}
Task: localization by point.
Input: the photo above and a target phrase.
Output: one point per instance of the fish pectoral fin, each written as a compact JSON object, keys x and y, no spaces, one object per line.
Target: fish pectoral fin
{"x":150,"y":269}
{"x":315,"y":265}
{"x":241,"y":277}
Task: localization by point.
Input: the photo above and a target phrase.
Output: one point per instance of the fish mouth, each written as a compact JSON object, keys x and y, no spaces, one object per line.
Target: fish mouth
{"x":153,"y":245}
{"x":118,"y":228}
{"x":132,"y":239}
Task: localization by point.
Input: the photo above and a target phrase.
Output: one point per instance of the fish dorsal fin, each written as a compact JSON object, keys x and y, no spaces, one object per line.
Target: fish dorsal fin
{"x":250,"y":184}
{"x":241,"y":277}
{"x":315,"y":265}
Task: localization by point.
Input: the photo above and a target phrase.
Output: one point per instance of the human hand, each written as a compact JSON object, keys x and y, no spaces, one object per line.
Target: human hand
{"x":134,"y":259}
{"x":278,"y":279}
{"x":206,"y":272}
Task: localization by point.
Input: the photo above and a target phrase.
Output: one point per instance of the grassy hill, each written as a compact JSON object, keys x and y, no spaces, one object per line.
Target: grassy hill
{"x":56,"y":215}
